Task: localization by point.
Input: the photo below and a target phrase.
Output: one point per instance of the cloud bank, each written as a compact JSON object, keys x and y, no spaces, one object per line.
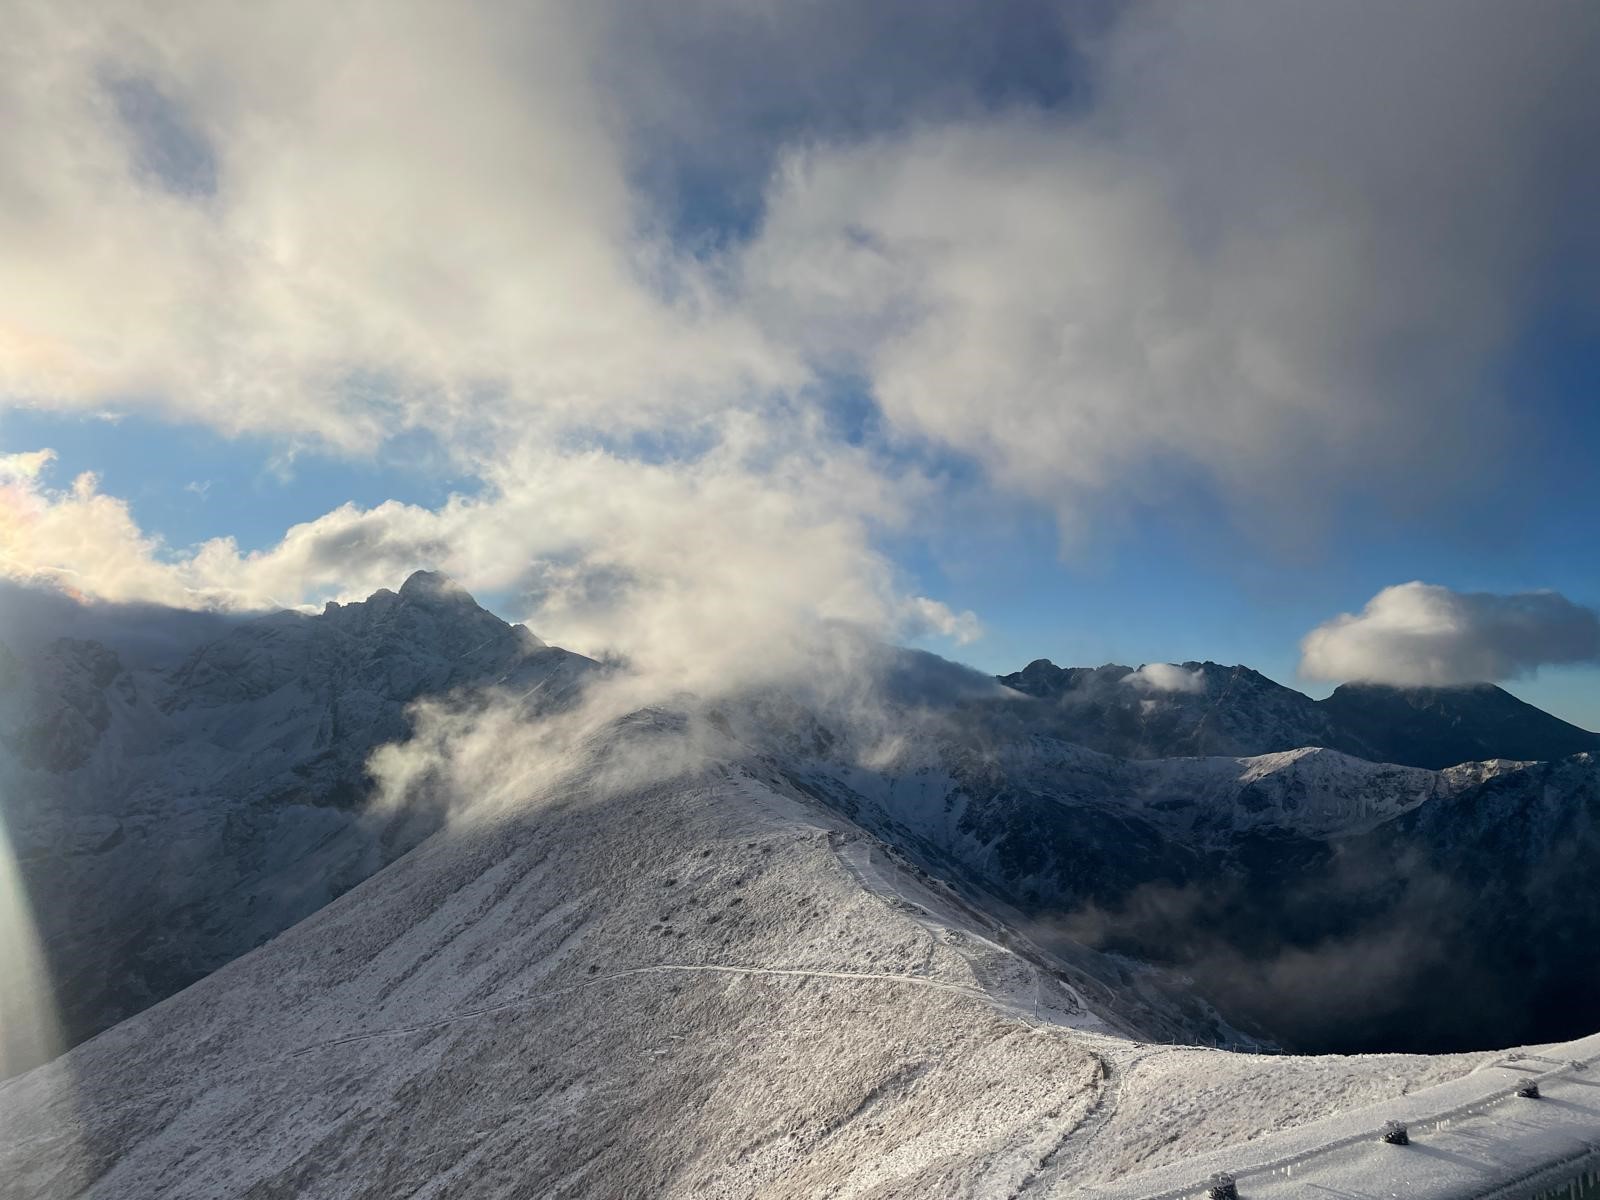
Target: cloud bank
{"x":1278,"y":251}
{"x":691,"y":570}
{"x":1419,"y":634}
{"x":1261,"y":250}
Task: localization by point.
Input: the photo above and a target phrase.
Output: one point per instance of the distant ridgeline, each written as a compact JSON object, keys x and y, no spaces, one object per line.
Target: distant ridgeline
{"x":1426,"y":883}
{"x":1237,"y":711}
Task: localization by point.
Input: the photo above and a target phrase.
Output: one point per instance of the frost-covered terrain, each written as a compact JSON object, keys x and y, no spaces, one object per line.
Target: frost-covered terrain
{"x":883,"y":937}
{"x":171,"y":811}
{"x":1317,"y":900}
{"x":690,"y":990}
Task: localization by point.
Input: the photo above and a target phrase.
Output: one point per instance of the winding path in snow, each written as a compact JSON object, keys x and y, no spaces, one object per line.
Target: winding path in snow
{"x":529,"y":998}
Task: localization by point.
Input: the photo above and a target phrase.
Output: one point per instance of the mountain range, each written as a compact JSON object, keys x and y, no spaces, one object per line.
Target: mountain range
{"x":1203,"y":708}
{"x":385,"y":898}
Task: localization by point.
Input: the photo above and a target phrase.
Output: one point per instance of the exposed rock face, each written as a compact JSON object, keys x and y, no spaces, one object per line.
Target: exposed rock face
{"x":170,"y":817}
{"x":1220,"y":710}
{"x":1437,"y":727}
{"x":54,"y":724}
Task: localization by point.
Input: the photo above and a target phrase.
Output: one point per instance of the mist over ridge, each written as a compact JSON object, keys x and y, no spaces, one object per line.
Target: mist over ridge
{"x":1187,"y":819}
{"x":528,"y":532}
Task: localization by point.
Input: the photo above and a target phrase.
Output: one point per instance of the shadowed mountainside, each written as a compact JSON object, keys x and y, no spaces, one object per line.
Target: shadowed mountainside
{"x":1209,"y":709}
{"x":171,"y":813}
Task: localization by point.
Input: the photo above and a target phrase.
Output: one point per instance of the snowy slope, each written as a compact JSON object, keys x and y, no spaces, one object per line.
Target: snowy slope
{"x":1471,"y":1138}
{"x":781,"y":946}
{"x":1262,"y":884}
{"x":171,"y":814}
{"x":689,"y":990}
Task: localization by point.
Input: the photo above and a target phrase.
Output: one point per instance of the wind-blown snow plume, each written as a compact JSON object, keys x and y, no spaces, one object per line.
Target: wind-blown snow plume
{"x":1166,"y":677}
{"x":1417,"y":634}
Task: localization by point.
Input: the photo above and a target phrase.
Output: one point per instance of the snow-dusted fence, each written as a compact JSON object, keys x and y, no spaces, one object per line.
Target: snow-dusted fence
{"x":1570,"y":1173}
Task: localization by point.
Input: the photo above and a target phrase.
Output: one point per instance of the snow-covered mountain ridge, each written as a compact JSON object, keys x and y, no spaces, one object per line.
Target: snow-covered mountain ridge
{"x":1267,"y":883}
{"x":171,"y":815}
{"x":710,"y":986}
{"x":1171,"y":710}
{"x":899,"y":940}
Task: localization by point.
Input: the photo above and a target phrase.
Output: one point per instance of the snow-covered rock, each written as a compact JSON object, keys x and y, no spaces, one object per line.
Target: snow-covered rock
{"x":927,"y":942}
{"x":1166,"y":710}
{"x":168,"y":817}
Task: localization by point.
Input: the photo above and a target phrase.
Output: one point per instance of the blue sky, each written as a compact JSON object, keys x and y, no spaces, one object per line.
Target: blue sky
{"x":187,"y":484}
{"x":1130,"y":334}
{"x":1155,"y":589}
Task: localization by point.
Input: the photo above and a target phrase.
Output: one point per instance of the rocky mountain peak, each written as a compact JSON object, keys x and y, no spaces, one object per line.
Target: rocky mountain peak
{"x":1236,"y":710}
{"x":1441,"y":726}
{"x":176,"y":813}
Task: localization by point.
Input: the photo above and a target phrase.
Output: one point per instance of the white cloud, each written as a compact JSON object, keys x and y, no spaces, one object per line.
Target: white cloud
{"x":1238,"y":261}
{"x":79,"y":540}
{"x":1281,"y":252}
{"x":1422,"y":634}
{"x":24,"y":467}
{"x":419,"y":219}
{"x":1166,"y":677}
{"x":699,"y":571}
{"x":925,"y":616}
{"x":335,"y":226}
{"x":413,"y":217}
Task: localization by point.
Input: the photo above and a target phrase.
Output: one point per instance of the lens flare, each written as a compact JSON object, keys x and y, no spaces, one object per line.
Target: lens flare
{"x":29,"y":1030}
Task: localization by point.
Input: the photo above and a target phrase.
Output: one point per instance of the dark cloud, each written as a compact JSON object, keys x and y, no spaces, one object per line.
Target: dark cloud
{"x":711,"y":92}
{"x":1322,"y":950}
{"x":142,"y":634}
{"x":168,"y":144}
